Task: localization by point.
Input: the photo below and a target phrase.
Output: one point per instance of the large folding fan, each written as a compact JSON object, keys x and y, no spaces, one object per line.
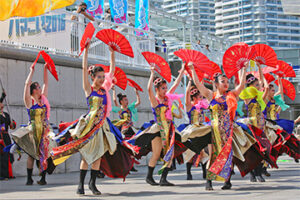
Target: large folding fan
{"x":235,"y":58}
{"x":264,"y":54}
{"x":49,"y":61}
{"x":199,"y":60}
{"x":288,"y":88}
{"x":116,"y":41}
{"x":161,"y":65}
{"x":87,"y":35}
{"x":133,"y":84}
{"x":284,"y":69}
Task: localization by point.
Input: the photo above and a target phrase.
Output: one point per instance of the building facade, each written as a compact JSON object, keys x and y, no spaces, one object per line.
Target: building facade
{"x":257,"y":21}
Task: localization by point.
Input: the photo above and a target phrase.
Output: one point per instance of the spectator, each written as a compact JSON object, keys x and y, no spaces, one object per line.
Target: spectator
{"x":156,"y":45}
{"x":108,"y":16}
{"x":198,"y":46}
{"x":207,"y":47}
{"x":164,"y":45}
{"x":74,"y":26}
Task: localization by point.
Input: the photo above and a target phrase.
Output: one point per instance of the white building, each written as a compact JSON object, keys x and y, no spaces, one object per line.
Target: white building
{"x":201,"y":12}
{"x":257,"y":21}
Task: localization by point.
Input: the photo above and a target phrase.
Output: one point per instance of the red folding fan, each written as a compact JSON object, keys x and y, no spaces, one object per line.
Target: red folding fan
{"x":284,"y":69}
{"x":120,"y":78}
{"x":116,"y":41}
{"x":87,"y":35}
{"x":214,"y":69}
{"x":49,"y":61}
{"x":235,"y":57}
{"x":199,"y":59}
{"x":133,"y":84}
{"x":161,"y":65}
{"x":288,"y":88}
{"x":265,"y":55}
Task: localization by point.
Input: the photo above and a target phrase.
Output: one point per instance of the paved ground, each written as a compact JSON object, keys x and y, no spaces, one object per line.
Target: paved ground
{"x":283,"y":184}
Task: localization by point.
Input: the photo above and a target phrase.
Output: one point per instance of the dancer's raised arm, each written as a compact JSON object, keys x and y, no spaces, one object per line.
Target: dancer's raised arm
{"x":27,"y":96}
{"x":150,"y":88}
{"x":280,"y":87}
{"x":85,"y":75}
{"x":46,"y":82}
{"x":177,"y":81}
{"x":138,"y":98}
{"x":201,"y":87}
{"x":188,"y":104}
{"x":112,"y":62}
{"x":238,"y":89}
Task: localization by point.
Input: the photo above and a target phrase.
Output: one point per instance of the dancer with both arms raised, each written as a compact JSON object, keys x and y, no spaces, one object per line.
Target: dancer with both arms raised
{"x":99,"y":142}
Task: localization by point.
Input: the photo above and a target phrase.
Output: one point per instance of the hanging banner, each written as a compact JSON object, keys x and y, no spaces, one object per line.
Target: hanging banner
{"x":95,"y":8}
{"x":30,"y":8}
{"x":142,"y":16}
{"x":118,"y":9}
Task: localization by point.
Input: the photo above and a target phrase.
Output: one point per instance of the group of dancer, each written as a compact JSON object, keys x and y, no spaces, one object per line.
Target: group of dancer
{"x":218,"y":141}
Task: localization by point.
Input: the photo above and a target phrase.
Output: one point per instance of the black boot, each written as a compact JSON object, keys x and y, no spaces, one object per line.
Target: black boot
{"x":252,"y":176}
{"x":92,"y":183}
{"x":133,"y":169}
{"x":163,"y":179}
{"x":208,"y":185}
{"x":80,"y":189}
{"x":43,"y":179}
{"x":204,"y":170}
{"x":188,"y":171}
{"x":259,"y":174}
{"x":227,"y":185}
{"x":100,"y":174}
{"x":149,"y":178}
{"x":265,"y":172}
{"x":29,"y":177}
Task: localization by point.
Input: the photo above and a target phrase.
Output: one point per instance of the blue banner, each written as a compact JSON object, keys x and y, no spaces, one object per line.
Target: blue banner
{"x":95,"y":8}
{"x":142,"y":16}
{"x":118,"y":9}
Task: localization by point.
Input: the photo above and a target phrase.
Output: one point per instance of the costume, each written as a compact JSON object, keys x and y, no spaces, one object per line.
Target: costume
{"x":163,"y":127}
{"x":35,"y":138}
{"x":127,"y":117}
{"x":94,"y":136}
{"x":231,"y":144}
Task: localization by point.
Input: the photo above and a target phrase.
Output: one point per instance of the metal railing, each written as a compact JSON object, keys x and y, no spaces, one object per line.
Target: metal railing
{"x":72,"y":35}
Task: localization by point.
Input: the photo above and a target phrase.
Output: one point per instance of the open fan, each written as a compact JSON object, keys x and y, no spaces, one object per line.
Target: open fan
{"x":284,"y":69}
{"x":214,"y":70}
{"x":161,"y":65}
{"x":199,"y":60}
{"x":116,"y":41}
{"x":265,"y":55}
{"x":235,"y":57}
{"x":120,"y":78}
{"x":288,"y":88}
{"x":133,"y":84}
{"x":49,"y":61}
{"x":87,"y":35}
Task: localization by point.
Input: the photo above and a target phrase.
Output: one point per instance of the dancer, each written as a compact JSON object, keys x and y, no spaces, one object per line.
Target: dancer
{"x":159,"y":136}
{"x":197,"y":131}
{"x":6,"y":158}
{"x":226,"y":149}
{"x":265,"y":132}
{"x":35,"y":139}
{"x":127,"y":113}
{"x":290,"y":144}
{"x":93,"y":135}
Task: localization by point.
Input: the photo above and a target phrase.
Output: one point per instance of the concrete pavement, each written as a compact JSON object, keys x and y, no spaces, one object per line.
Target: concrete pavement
{"x":283,"y":184}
